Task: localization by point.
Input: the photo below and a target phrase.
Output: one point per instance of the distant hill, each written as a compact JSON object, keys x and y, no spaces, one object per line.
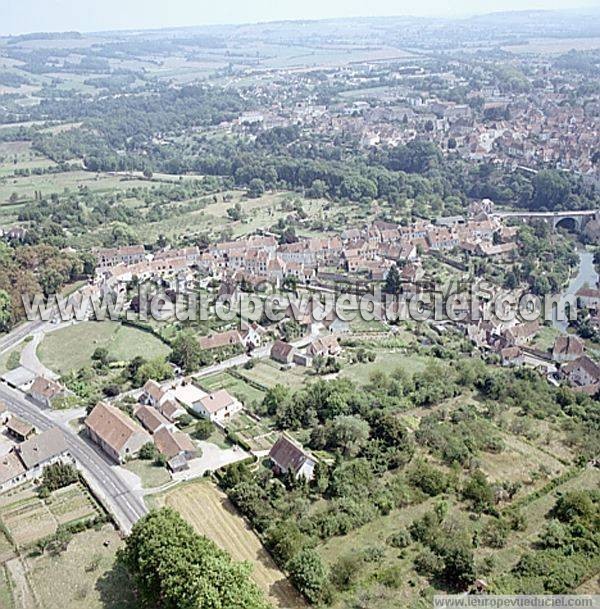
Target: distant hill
{"x":45,"y":36}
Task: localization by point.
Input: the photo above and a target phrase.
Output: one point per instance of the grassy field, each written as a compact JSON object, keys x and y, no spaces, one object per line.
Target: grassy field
{"x":152,"y":476}
{"x":209,"y":511}
{"x":246,"y":393}
{"x":388,"y":361}
{"x":82,"y":577}
{"x":24,"y":187}
{"x":72,"y":348}
{"x":29,"y":519}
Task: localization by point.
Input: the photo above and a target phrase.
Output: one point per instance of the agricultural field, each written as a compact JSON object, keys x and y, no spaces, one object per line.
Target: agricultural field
{"x":209,"y":511}
{"x":27,"y":518}
{"x":72,"y":348}
{"x":24,"y":187}
{"x":258,"y":435}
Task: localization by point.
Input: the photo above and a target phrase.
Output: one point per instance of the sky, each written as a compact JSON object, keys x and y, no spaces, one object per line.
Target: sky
{"x":22,"y":16}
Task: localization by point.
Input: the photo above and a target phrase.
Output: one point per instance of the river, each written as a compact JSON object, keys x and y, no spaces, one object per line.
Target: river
{"x":586,"y":274}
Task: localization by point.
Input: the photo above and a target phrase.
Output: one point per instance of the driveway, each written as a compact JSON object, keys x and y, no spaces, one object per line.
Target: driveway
{"x":212,"y":459}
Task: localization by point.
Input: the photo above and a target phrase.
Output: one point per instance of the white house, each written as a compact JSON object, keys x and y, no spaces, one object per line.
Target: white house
{"x":218,"y":406}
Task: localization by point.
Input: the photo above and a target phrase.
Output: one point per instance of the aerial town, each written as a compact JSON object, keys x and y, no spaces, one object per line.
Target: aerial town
{"x":300,"y":313}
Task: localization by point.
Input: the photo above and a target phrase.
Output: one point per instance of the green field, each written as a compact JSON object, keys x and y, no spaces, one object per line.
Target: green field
{"x":246,"y":393}
{"x":24,"y":187}
{"x":71,"y":348}
{"x":268,"y":373}
{"x":386,"y":361}
{"x":152,"y":476}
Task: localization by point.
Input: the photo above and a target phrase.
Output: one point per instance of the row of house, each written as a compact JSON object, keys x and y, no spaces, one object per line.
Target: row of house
{"x":34,"y":452}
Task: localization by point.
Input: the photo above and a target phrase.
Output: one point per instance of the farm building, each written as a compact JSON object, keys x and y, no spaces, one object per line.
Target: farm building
{"x":116,"y":434}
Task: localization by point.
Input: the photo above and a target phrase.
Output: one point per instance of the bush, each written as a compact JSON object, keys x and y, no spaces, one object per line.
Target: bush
{"x":58,"y":475}
{"x":401,"y":539}
{"x":495,"y":533}
{"x":203,"y":430}
{"x":309,"y":575}
{"x":148,"y":452}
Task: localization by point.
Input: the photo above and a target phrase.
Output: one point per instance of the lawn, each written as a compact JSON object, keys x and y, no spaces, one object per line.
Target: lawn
{"x":10,"y":359}
{"x":72,"y":348}
{"x":246,"y":393}
{"x":152,"y":476}
{"x":210,"y":512}
{"x":82,"y":577}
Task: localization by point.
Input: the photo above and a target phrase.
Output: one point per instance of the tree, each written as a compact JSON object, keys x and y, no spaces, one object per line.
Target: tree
{"x":203,"y":430}
{"x":393,"y":281}
{"x":574,"y":506}
{"x":148,"y":452}
{"x":173,"y":567}
{"x":309,"y":574}
{"x":5,"y":311}
{"x":256,"y":188}
{"x":187,"y":353}
{"x":101,"y":355}
{"x":459,"y":566}
{"x":429,"y":479}
{"x":348,"y":433}
{"x":156,"y":369}
{"x":551,"y":189}
{"x":58,"y":475}
{"x":478,"y":491}
{"x":285,"y":540}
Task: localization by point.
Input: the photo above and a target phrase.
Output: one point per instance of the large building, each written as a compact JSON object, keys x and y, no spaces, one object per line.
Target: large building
{"x":116,"y":434}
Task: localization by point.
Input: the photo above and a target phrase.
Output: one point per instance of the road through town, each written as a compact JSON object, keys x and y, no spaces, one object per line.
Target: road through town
{"x":125,"y":507}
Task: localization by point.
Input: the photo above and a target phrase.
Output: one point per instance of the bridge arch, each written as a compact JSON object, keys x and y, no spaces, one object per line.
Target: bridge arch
{"x":570,"y":223}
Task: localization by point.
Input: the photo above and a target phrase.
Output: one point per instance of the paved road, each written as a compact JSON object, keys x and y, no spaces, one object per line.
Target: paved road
{"x":19,"y":333}
{"x":120,"y":501}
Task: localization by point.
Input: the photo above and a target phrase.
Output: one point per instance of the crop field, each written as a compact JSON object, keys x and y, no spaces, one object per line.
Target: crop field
{"x":209,"y":511}
{"x":72,"y":348}
{"x":28,"y":519}
{"x":258,"y":435}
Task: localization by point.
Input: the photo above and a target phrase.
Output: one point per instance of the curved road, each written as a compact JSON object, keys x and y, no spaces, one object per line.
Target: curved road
{"x":116,"y":496}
